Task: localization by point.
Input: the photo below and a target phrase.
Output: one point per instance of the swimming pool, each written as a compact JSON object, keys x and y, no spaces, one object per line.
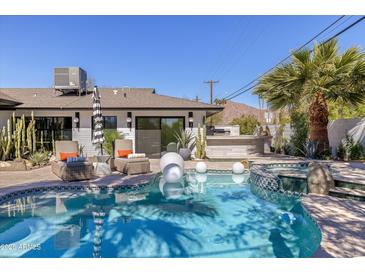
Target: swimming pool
{"x":205,"y":215}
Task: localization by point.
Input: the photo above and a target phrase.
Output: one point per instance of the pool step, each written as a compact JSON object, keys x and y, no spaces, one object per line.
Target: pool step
{"x":343,"y":192}
{"x":351,"y":185}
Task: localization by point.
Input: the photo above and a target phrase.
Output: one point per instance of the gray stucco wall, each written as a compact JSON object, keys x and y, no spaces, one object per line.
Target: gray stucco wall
{"x":4,"y":116}
{"x":83,"y":134}
{"x":338,"y":129}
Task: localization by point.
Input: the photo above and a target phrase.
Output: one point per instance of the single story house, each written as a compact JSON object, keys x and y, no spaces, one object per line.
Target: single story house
{"x":140,"y":114}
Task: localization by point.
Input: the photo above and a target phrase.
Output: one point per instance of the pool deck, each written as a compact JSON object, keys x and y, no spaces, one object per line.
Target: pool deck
{"x":342,"y":221}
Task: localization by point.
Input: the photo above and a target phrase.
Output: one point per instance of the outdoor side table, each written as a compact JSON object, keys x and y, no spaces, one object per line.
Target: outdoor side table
{"x":102,"y":168}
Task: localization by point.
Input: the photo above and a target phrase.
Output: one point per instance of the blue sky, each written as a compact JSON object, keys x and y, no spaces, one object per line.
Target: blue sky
{"x":173,"y":54}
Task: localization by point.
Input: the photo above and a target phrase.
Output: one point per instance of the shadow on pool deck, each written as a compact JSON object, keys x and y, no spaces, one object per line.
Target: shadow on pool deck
{"x":342,"y":224}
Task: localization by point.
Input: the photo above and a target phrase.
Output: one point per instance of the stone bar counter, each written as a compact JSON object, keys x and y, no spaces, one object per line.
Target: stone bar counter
{"x":236,"y":147}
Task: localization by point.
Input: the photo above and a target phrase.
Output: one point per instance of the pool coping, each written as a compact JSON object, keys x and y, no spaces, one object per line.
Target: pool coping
{"x":123,"y":183}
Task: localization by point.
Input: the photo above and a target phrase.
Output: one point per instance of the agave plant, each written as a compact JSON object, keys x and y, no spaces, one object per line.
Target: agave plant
{"x":185,"y":139}
{"x":39,"y":158}
{"x":310,"y":149}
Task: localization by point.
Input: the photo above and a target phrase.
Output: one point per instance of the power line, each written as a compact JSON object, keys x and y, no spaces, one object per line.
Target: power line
{"x":336,"y":27}
{"x":326,"y":41}
{"x":211,"y":82}
{"x":345,"y":29}
{"x":243,"y":53}
{"x":248,"y":86}
{"x":231,"y":44}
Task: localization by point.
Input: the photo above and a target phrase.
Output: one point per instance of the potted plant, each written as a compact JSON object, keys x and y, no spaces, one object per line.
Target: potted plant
{"x":185,"y":143}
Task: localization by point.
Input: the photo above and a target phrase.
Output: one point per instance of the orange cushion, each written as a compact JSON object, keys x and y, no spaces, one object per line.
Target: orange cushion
{"x":65,"y":155}
{"x":124,"y":153}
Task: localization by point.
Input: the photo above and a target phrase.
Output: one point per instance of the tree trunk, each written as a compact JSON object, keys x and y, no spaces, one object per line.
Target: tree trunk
{"x":318,"y":121}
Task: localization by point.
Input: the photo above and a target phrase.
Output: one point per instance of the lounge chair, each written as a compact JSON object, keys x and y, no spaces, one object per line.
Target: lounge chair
{"x":73,"y":171}
{"x":129,"y":166}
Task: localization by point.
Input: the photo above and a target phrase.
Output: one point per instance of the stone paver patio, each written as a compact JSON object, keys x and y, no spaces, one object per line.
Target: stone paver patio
{"x":342,"y":222}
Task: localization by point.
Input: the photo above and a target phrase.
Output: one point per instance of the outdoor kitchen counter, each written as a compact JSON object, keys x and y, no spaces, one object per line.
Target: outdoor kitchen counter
{"x":237,"y":146}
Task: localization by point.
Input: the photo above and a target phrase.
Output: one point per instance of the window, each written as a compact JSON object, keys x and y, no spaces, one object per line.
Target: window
{"x":148,"y":123}
{"x":52,"y":128}
{"x":109,"y":122}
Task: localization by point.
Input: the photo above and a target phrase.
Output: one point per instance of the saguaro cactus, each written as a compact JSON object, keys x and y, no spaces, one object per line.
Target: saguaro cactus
{"x":204,"y":140}
{"x":9,"y":143}
{"x":2,"y":142}
{"x":53,"y":147}
{"x":42,"y":144}
{"x":29,"y":137}
{"x":18,"y":138}
{"x":33,"y":135}
{"x":200,"y":143}
{"x":23,"y":135}
{"x":13,"y":122}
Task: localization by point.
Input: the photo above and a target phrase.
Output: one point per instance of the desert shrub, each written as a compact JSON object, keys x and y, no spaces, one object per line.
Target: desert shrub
{"x":247,"y":124}
{"x":300,"y":127}
{"x":288,"y":149}
{"x":356,"y":152}
{"x":326,"y":154}
{"x":341,"y":151}
{"x":350,"y":150}
{"x":110,"y":135}
{"x":279,"y":141}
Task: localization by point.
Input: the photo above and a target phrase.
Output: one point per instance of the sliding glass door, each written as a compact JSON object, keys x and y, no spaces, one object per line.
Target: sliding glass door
{"x":169,"y":126}
{"x":148,"y":136}
{"x":153,"y":134}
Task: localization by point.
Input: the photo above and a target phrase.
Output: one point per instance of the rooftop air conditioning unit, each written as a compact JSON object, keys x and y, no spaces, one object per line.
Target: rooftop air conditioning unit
{"x":71,"y":79}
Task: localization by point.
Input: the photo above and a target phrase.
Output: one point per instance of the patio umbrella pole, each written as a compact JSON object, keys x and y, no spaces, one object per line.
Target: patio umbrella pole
{"x":98,"y":120}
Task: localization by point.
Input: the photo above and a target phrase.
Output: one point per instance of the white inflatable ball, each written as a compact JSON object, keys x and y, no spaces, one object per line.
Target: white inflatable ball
{"x":201,"y":167}
{"x":238,"y":168}
{"x":171,"y":158}
{"x":171,"y":190}
{"x":201,"y":178}
{"x":173,"y":173}
{"x":238,"y":178}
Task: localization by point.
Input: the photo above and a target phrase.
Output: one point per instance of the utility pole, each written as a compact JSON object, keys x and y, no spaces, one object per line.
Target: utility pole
{"x":211,"y":82}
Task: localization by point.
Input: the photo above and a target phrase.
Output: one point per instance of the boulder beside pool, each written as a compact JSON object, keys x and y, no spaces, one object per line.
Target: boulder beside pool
{"x":320,"y":180}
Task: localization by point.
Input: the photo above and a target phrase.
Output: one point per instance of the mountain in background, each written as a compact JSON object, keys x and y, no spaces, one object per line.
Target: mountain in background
{"x":235,"y":110}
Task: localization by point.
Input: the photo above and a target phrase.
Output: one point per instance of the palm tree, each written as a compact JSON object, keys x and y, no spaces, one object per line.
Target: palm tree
{"x":312,"y":78}
{"x":220,"y":101}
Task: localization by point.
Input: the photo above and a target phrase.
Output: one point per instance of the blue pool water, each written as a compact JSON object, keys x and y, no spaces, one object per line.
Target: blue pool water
{"x":214,"y":215}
